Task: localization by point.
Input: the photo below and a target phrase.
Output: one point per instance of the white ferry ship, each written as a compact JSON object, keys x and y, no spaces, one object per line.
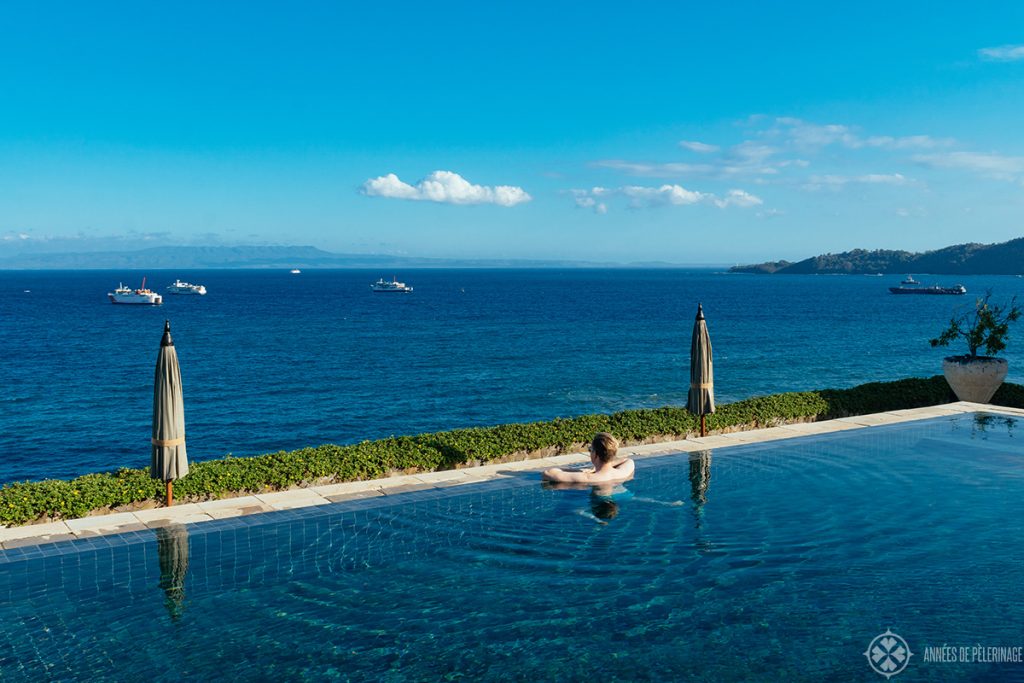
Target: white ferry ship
{"x":127,"y":295}
{"x":180,"y":287}
{"x":383,"y":285}
{"x":295,"y":271}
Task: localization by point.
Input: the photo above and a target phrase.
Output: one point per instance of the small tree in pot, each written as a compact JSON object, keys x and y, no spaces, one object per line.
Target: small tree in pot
{"x":972,"y":377}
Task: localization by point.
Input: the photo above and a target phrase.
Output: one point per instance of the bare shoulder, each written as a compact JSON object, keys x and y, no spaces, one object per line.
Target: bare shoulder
{"x":626,"y":467}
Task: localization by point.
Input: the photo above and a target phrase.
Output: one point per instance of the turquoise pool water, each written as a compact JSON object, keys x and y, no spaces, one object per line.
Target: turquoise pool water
{"x":778,"y":561}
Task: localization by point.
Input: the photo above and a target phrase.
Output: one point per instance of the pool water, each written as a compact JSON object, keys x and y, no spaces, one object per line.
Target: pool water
{"x":775,"y":561}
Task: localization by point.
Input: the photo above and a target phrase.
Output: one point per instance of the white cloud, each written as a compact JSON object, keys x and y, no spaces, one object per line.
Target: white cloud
{"x":991,"y":165}
{"x":738,"y":198}
{"x":1003,"y":53}
{"x":639,"y":197}
{"x":653,"y":169}
{"x":812,"y":136}
{"x":835,"y":182}
{"x":444,"y":187}
{"x":907,"y":142}
{"x":666,"y":194}
{"x":585,"y":201}
{"x":699,"y":147}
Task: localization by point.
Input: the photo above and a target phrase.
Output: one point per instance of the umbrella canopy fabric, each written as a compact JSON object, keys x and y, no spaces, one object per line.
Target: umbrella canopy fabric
{"x":168,"y":461}
{"x":172,"y":553}
{"x":701,"y":399}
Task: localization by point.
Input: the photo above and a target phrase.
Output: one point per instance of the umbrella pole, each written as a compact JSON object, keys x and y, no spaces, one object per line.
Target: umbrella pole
{"x":170,"y":493}
{"x":703,"y":426}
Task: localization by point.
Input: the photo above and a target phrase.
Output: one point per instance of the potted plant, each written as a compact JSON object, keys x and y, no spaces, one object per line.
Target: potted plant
{"x":972,"y":377}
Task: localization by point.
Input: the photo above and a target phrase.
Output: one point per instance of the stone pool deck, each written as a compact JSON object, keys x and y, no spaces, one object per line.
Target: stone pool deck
{"x":194,"y":513}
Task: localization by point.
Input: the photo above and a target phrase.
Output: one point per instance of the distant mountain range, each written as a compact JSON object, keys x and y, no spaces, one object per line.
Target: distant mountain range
{"x":1006,"y":258}
{"x":253,"y":257}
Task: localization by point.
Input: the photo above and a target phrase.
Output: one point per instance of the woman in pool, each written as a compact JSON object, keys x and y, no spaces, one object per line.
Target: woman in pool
{"x":608,"y":467}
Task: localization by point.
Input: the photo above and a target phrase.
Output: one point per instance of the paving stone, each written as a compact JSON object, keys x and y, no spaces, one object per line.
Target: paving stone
{"x":355,"y":495}
{"x":405,"y":488}
{"x":102,"y":521}
{"x":108,"y":530}
{"x":36,"y":540}
{"x":33,"y":530}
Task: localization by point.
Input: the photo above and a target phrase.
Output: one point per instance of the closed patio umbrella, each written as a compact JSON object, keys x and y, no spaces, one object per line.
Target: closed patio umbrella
{"x":168,"y":461}
{"x":701,"y":399}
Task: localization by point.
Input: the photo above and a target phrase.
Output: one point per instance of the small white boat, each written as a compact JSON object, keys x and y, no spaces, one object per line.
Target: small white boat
{"x":394,"y":285}
{"x":127,"y":295}
{"x":295,"y":271}
{"x":180,"y":287}
{"x":910,"y":281}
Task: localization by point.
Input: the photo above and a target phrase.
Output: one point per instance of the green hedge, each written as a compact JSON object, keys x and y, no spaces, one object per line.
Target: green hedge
{"x":23,"y":502}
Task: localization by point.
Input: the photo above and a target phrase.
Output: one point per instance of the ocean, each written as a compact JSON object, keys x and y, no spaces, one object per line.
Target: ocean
{"x":273,"y":361}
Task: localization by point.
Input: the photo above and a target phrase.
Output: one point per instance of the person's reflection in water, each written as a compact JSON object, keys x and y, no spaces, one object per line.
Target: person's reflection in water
{"x":172,"y":553}
{"x":606,"y":499}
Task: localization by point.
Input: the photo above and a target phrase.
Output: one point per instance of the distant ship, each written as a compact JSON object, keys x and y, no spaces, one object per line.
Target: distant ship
{"x":127,"y":295}
{"x":912,"y":286}
{"x":295,"y":271}
{"x":180,"y":287}
{"x":382,"y":285}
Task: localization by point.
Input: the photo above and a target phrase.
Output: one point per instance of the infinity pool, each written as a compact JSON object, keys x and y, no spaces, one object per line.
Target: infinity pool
{"x":776,"y":561}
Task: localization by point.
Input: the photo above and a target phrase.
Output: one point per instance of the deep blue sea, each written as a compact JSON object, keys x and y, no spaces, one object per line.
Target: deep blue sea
{"x":274,"y":361}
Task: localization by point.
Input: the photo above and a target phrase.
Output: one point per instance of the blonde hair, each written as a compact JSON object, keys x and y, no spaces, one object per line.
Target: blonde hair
{"x":604,"y":447}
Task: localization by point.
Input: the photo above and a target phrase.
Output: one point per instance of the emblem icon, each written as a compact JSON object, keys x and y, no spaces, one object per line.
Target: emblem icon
{"x":888,"y":654}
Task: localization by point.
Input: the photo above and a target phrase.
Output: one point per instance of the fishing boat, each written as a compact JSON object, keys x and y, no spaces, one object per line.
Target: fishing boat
{"x":180,"y":287}
{"x":394,"y":285}
{"x":127,"y":295}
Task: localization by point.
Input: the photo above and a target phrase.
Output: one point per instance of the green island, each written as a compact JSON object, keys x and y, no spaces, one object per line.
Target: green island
{"x":959,"y":259}
{"x":53,"y":499}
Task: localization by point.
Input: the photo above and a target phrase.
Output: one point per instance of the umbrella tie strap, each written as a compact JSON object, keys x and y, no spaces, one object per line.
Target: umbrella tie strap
{"x":180,"y":441}
{"x":705,"y":385}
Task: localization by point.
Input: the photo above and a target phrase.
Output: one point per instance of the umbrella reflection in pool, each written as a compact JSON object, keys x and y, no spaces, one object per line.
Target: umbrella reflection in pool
{"x":172,"y":552}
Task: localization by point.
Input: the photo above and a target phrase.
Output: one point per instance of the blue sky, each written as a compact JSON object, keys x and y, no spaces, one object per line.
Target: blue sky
{"x":607,"y":131}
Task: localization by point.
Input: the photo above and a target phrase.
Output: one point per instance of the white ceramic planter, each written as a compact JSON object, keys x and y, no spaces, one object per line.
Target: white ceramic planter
{"x":974,"y":379}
